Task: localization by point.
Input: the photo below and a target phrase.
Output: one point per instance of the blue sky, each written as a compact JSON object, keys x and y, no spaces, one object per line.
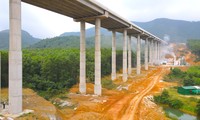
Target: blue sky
{"x":41,"y":23}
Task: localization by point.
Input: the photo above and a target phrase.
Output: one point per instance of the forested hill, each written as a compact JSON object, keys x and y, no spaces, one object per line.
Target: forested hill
{"x":89,"y":32}
{"x":178,"y":30}
{"x":74,"y":42}
{"x":27,"y":39}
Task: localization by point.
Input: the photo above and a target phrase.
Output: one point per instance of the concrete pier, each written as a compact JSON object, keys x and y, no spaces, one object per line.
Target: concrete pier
{"x":138,"y":71}
{"x":15,"y":58}
{"x":160,"y":49}
{"x":146,"y":54}
{"x":113,"y":75}
{"x":125,"y":56}
{"x":129,"y":55}
{"x":82,"y":84}
{"x":156,"y":53}
{"x":150,"y":52}
{"x":97,"y":86}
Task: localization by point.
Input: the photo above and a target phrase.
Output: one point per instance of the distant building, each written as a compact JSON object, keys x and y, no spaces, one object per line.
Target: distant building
{"x":189,"y":90}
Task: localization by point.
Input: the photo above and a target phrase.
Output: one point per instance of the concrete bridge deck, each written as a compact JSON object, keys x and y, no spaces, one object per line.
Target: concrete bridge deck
{"x":88,"y":10}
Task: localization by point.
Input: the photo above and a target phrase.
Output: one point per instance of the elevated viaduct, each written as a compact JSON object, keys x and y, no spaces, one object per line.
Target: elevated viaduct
{"x":83,"y":11}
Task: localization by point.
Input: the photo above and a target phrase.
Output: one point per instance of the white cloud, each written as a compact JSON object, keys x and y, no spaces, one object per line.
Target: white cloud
{"x":42,"y":23}
{"x":146,"y":10}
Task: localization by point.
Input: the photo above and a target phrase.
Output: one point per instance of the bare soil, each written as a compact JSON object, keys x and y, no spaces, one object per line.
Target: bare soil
{"x":130,"y":103}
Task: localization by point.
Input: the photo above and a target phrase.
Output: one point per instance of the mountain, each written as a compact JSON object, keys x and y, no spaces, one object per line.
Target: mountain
{"x":176,"y":30}
{"x":74,"y":42}
{"x":89,"y":32}
{"x":27,"y":39}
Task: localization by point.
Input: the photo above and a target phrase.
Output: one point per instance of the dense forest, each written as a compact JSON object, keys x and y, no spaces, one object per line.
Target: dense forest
{"x":52,"y":71}
{"x":194,"y":46}
{"x":74,"y":42}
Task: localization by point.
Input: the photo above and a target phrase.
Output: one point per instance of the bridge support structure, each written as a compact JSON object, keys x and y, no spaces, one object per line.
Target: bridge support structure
{"x":138,"y":67}
{"x":158,"y":53}
{"x":129,"y":55}
{"x":113,"y":74}
{"x":154,"y":53}
{"x":15,"y":58}
{"x":146,"y":54}
{"x":97,"y":86}
{"x":125,"y":76}
{"x":82,"y":83}
{"x":150,"y":52}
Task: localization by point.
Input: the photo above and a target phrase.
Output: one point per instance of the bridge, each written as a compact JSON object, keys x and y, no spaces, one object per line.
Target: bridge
{"x":83,"y":11}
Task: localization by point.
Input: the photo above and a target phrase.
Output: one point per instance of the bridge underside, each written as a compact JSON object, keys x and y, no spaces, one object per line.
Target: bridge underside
{"x":87,"y":11}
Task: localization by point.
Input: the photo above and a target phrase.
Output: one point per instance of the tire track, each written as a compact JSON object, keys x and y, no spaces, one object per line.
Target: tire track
{"x":131,"y":111}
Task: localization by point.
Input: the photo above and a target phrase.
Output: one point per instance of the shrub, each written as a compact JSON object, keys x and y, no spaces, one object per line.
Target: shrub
{"x":188,"y":81}
{"x":175,"y":103}
{"x":108,"y":84}
{"x":163,"y":98}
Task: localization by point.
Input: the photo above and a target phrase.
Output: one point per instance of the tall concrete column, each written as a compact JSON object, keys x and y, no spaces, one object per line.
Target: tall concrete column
{"x":97,"y":87}
{"x":146,"y":54}
{"x":152,"y":58}
{"x":138,"y":71}
{"x":113,"y":76}
{"x":125,"y":56}
{"x":156,"y":53}
{"x":129,"y":56}
{"x":82,"y":84}
{"x":160,"y":54}
{"x":150,"y":52}
{"x":15,"y":58}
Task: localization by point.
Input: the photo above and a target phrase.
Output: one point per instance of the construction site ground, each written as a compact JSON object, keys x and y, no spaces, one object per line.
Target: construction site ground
{"x":129,"y":100}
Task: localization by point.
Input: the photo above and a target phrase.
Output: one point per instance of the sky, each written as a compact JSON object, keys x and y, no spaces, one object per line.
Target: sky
{"x":42,"y":23}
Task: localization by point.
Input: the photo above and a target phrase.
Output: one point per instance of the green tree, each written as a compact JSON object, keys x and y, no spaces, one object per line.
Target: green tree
{"x":188,"y":81}
{"x":175,"y":103}
{"x":163,"y":98}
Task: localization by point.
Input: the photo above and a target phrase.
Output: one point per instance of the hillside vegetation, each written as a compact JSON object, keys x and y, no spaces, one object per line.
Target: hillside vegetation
{"x":74,"y":42}
{"x":52,"y":71}
{"x":173,"y":99}
{"x":194,"y":46}
{"x":27,"y":39}
{"x":188,"y":78}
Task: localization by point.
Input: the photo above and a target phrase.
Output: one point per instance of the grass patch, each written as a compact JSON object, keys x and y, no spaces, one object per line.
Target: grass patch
{"x":108,"y":84}
{"x":189,"y":103}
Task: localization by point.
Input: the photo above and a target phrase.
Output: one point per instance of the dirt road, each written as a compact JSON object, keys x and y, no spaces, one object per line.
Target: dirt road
{"x":133,"y":108}
{"x":115,"y":104}
{"x":126,"y":107}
